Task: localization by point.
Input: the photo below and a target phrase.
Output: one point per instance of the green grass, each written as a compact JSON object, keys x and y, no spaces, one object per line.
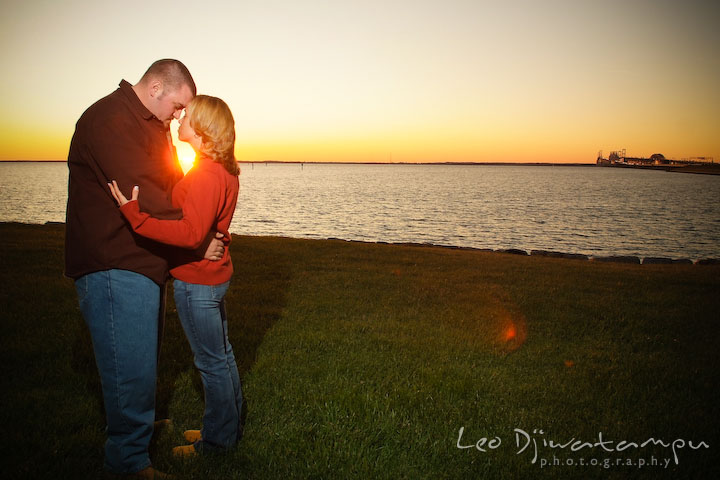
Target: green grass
{"x":364,"y":361}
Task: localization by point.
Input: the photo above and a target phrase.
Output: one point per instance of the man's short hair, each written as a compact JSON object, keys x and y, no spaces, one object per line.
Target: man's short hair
{"x":173,"y":74}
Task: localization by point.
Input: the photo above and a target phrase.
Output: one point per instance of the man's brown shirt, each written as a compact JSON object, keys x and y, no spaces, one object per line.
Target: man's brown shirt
{"x":117,"y":138}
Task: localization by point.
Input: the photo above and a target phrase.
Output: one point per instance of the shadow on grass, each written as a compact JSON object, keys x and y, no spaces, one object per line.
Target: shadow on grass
{"x":254,"y":302}
{"x":257,"y":295}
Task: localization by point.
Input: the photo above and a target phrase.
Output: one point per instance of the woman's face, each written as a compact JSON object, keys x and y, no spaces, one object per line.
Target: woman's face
{"x":186,"y":132}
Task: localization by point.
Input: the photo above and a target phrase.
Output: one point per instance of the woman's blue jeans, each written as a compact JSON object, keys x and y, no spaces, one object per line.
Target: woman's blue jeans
{"x":201,"y":309}
{"x":121,"y":309}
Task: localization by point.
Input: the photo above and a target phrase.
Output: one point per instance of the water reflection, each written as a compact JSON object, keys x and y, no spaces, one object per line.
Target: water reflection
{"x":585,"y":210}
{"x":593,"y":211}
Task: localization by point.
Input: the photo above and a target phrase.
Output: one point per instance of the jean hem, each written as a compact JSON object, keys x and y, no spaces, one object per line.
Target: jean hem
{"x":204,"y":447}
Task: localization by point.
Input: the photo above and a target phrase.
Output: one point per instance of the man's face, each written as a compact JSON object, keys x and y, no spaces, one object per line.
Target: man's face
{"x":169,"y":105}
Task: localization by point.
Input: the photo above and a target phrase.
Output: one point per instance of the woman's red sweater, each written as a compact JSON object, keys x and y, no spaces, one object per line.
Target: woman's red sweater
{"x":207,"y":195}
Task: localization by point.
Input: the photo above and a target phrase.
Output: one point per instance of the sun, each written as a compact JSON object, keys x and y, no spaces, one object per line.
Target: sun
{"x":186,"y":154}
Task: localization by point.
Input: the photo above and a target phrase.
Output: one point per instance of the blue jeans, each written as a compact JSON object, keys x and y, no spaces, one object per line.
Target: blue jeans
{"x":201,"y":309}
{"x":121,"y":309}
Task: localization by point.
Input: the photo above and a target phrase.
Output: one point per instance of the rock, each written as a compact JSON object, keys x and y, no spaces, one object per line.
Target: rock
{"x":575,"y":256}
{"x":685,"y":261}
{"x":513,"y":251}
{"x":666,"y":261}
{"x":657,"y":261}
{"x":617,"y":259}
{"x":545,"y":253}
{"x":708,"y":261}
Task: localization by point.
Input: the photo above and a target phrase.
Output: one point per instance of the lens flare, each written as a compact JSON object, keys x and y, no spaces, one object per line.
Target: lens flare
{"x":510,"y":333}
{"x":511,"y":323}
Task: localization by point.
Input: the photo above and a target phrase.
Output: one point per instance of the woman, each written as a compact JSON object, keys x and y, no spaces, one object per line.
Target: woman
{"x":207,"y":196}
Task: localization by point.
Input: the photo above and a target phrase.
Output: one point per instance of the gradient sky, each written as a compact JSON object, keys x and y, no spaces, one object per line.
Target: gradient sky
{"x":390,"y":80}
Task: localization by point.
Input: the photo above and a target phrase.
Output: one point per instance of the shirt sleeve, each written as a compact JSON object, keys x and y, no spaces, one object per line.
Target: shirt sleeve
{"x":199,"y":213}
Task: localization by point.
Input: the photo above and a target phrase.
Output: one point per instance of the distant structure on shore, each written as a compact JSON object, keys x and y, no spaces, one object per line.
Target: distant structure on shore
{"x":618,"y":158}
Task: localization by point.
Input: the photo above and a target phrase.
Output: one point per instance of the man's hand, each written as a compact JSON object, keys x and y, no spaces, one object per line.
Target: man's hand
{"x":216,"y":249}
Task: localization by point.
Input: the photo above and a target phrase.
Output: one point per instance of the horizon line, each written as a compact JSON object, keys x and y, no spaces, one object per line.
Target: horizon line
{"x":567,"y":164}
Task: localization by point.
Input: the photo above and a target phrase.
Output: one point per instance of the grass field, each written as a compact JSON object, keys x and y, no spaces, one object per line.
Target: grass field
{"x":368,"y":360}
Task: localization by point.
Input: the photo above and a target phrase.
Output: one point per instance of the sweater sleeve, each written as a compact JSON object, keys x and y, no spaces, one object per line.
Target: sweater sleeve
{"x":199,"y":215}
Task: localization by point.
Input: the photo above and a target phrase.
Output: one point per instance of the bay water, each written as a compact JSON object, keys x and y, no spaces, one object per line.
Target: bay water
{"x":587,"y":210}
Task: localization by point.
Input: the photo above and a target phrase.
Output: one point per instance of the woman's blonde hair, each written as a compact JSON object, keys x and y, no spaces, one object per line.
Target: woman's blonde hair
{"x":211,"y":118}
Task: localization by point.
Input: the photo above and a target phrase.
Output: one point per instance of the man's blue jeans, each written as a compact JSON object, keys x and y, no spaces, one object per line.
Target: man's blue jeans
{"x":121,"y":309}
{"x":201,"y":309}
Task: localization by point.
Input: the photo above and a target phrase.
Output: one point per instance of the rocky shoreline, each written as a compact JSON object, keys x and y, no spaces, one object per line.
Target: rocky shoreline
{"x":630,"y":259}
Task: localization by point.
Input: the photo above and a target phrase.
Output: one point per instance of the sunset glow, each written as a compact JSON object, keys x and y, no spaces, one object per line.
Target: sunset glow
{"x":397,"y":81}
{"x":186,"y":158}
{"x":185,"y":152}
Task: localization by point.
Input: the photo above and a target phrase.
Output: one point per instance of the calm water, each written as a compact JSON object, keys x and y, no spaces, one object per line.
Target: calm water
{"x":594,"y":211}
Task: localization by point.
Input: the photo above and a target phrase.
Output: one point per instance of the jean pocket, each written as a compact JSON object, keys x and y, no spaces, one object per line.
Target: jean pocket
{"x":218,"y":291}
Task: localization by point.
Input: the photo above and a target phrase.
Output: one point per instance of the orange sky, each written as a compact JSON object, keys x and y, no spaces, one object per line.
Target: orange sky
{"x":392,"y":80}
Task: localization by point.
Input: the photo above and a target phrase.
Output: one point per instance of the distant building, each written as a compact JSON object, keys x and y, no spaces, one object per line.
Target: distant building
{"x":659,"y":159}
{"x":619,"y":158}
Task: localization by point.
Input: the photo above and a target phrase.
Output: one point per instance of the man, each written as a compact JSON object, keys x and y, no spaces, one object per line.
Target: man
{"x":120,"y":277}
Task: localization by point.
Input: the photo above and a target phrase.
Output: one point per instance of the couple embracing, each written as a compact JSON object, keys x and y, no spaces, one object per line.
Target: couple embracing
{"x":120,"y":258}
